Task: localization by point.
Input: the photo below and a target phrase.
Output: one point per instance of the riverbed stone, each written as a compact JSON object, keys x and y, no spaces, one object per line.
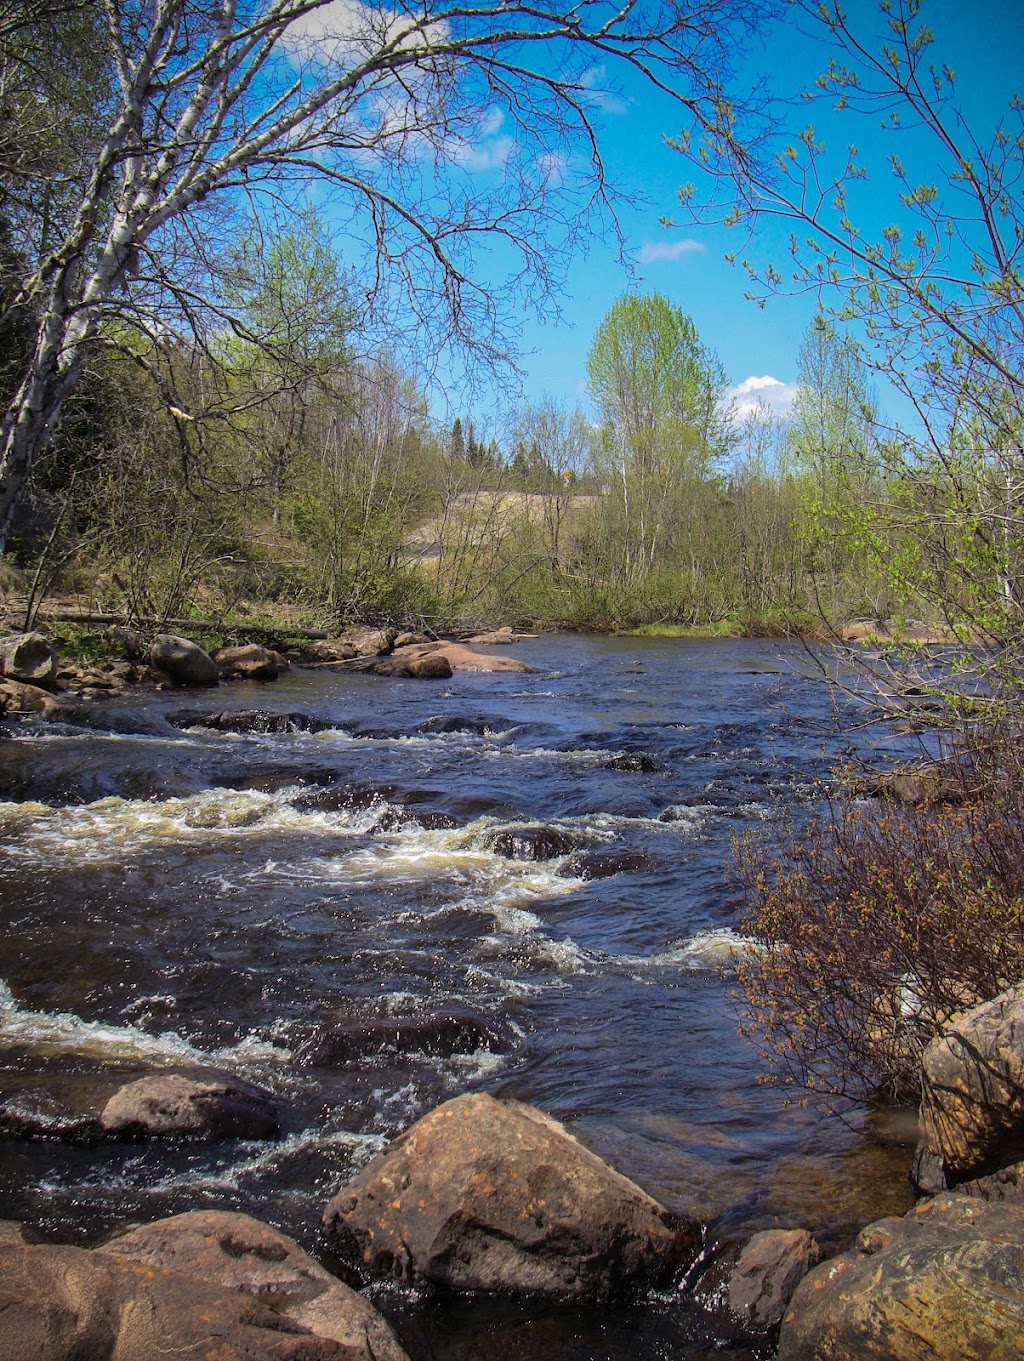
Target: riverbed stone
{"x":972,"y":1096}
{"x":768,"y":1270}
{"x":62,"y":1303}
{"x":489,"y":1195}
{"x":250,"y":661}
{"x":184,"y":661}
{"x":944,"y":1283}
{"x":201,"y":1103}
{"x":240,"y":1253}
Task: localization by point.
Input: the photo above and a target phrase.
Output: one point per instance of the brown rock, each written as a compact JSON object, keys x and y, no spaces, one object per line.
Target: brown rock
{"x":240,"y":1253}
{"x":434,"y":666}
{"x":250,"y":662}
{"x":212,"y":1104}
{"x":487,"y":1195}
{"x":945,"y":1283}
{"x":767,"y":1272}
{"x":372,"y":642}
{"x":19,"y":698}
{"x":465,"y":659}
{"x":28,"y":657}
{"x":972,"y":1103}
{"x":408,"y":638}
{"x":67,"y":1304}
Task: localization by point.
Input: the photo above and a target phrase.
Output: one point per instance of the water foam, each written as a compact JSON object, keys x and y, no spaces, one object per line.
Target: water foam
{"x":62,"y":1032}
{"x":111,"y":829}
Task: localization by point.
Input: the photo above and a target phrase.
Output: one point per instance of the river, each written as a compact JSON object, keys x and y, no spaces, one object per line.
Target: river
{"x":343,"y":916}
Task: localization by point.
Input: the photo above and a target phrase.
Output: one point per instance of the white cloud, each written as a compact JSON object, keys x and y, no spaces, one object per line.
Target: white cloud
{"x":658,"y":252}
{"x":598,"y":94}
{"x":487,"y":154}
{"x":763,"y":390}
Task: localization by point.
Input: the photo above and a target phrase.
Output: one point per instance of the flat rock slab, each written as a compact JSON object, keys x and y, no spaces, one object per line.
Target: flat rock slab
{"x":461,"y":658}
{"x":944,"y":1283}
{"x":243,"y":1254}
{"x":486,"y":1195}
{"x":67,"y":1304}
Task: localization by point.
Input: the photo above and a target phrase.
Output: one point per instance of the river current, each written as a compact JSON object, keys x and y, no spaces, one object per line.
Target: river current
{"x":350,"y":917}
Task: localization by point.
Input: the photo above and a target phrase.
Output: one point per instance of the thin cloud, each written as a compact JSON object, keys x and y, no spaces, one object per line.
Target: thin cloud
{"x":660,"y":252}
{"x":760,"y":391}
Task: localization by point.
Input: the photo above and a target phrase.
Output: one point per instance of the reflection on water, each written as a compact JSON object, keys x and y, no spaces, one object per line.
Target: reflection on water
{"x":471,"y":858}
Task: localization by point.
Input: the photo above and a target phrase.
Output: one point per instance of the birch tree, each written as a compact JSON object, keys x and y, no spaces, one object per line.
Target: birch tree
{"x":218,"y":108}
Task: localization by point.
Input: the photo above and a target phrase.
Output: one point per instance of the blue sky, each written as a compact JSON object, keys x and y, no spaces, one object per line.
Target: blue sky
{"x":983,"y":41}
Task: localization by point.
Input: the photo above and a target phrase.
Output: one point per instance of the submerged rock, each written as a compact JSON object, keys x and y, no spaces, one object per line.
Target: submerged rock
{"x":245,"y":720}
{"x":68,"y":1304}
{"x":28,"y":657}
{"x":457,"y":723}
{"x":209,"y":1104}
{"x":244,"y":1255}
{"x":533,"y":843}
{"x":634,"y":762}
{"x":944,"y":1283}
{"x":487,"y":1195}
{"x":455,"y":1032}
{"x":972,"y":1096}
{"x":185,"y":662}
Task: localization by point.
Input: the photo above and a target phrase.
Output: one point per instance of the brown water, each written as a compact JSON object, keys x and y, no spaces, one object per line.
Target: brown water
{"x":336,"y":915}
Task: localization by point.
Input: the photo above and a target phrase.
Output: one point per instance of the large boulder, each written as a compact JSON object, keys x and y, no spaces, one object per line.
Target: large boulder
{"x":28,"y":657}
{"x":972,"y":1102}
{"x":198,"y":1104}
{"x":487,"y":1195}
{"x":250,"y":662}
{"x":945,"y":1283}
{"x":241,"y":1254}
{"x":185,"y":662}
{"x":67,"y":1304}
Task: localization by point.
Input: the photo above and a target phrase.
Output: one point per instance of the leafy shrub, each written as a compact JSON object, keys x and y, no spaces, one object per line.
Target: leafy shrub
{"x":881,"y":920}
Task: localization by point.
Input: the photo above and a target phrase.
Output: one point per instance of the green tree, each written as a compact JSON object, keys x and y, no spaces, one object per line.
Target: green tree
{"x":660,"y":394}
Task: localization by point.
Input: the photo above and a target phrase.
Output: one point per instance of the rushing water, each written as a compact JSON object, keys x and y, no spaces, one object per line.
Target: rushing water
{"x":341,"y":916}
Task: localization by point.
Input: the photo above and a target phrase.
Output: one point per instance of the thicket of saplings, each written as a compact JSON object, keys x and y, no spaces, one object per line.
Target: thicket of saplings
{"x":264,"y":477}
{"x":882,"y":920}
